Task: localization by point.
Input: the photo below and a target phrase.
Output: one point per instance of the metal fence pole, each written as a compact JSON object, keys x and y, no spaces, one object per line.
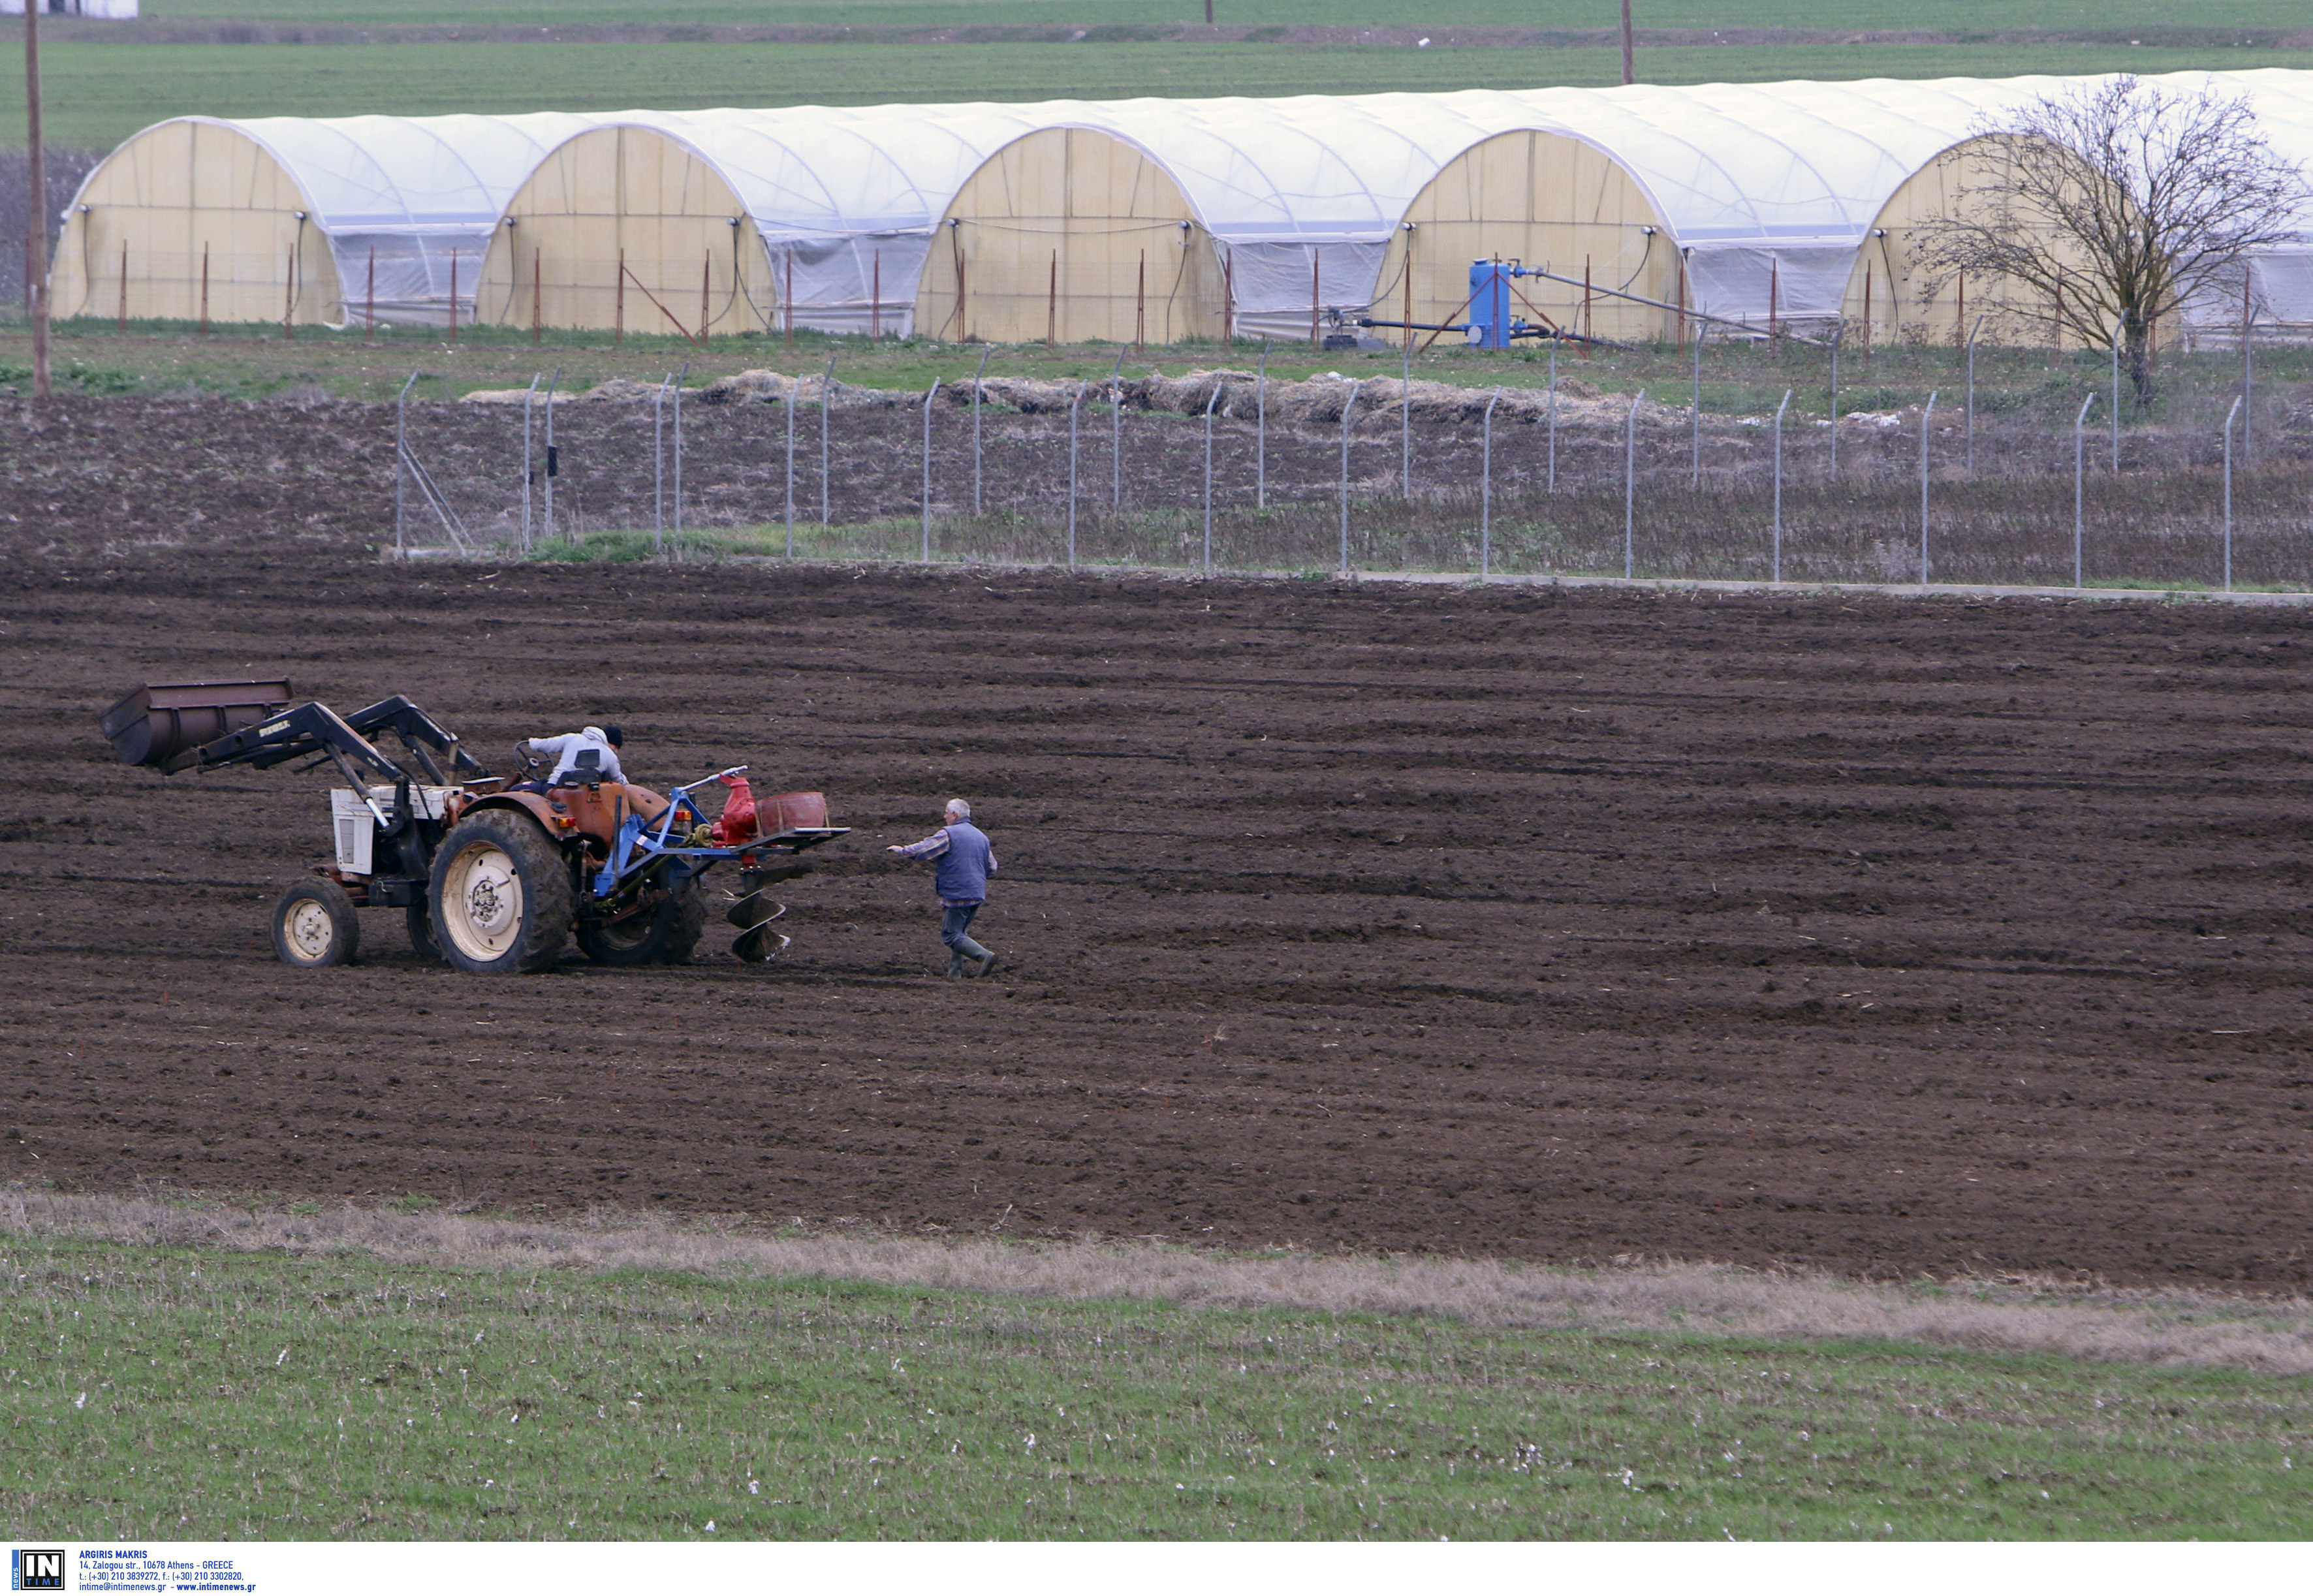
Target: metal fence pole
{"x":2116,"y":401}
{"x":1209,"y":477}
{"x":1836,"y":333}
{"x":528,"y":399}
{"x":553,"y":461}
{"x":678,"y":376}
{"x":1260,"y":432}
{"x":1924,"y":416}
{"x":2236,"y":411}
{"x":1076,"y":406}
{"x":1486,"y":491}
{"x":1971,"y":394}
{"x":1631,"y":485}
{"x":1694,"y":470}
{"x":1551,"y":481}
{"x":976,"y":377}
{"x":1116,"y":437}
{"x":400,"y":451}
{"x":1778,"y":563}
{"x":2079,"y":474}
{"x":826,"y":403}
{"x":2248,"y":378}
{"x":930,"y":394}
{"x":1348,"y":405}
{"x":795,"y":392}
{"x":658,"y":467}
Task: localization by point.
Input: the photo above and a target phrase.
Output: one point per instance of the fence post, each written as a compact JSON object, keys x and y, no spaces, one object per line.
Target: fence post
{"x":1405,"y":396}
{"x":402,"y":448}
{"x":826,"y":403}
{"x":1075,"y":407}
{"x":678,"y":376}
{"x":528,"y":399}
{"x":658,"y":468}
{"x":976,"y":376}
{"x":1971,"y":391}
{"x":2249,"y":369}
{"x":1630,"y":484}
{"x":1348,"y":405}
{"x":553,"y":461}
{"x":1209,"y":475}
{"x":1924,"y":416}
{"x":795,"y":390}
{"x":1694,"y":470}
{"x":1777,"y":567}
{"x":2229,"y":485}
{"x":1486,"y":491}
{"x":930,"y":394}
{"x":1551,"y":481}
{"x":2116,"y":399}
{"x":2079,"y":473}
{"x":1260,"y":432}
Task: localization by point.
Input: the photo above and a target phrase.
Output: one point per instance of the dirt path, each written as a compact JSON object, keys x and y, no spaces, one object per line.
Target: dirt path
{"x":1879,"y":935}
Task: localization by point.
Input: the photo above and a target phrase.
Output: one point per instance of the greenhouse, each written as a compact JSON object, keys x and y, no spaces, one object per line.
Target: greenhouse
{"x":296,"y":219}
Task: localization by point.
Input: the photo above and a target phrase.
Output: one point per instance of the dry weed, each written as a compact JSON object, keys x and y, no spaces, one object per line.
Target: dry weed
{"x":2184,"y":1327}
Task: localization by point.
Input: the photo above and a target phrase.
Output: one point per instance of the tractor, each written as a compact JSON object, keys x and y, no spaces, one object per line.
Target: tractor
{"x":492,"y":875}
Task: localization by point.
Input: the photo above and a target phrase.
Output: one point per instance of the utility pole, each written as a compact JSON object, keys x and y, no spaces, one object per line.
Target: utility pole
{"x":1630,"y":69}
{"x":36,"y":219}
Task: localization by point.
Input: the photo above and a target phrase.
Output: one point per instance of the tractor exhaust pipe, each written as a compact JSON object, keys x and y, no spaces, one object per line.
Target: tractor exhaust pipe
{"x":163,"y":724}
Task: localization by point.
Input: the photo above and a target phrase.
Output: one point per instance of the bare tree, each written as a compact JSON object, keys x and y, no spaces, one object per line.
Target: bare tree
{"x":2120,"y":203}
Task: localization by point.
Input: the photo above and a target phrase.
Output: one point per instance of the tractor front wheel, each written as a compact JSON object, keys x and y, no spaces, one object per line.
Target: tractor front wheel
{"x":315,"y":925}
{"x":500,"y":895}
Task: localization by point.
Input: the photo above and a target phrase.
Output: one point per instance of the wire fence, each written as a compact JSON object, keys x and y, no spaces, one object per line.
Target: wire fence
{"x":1232,"y":469}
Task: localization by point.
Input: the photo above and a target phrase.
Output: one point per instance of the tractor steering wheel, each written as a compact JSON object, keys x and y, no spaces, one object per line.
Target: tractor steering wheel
{"x":522,"y":756}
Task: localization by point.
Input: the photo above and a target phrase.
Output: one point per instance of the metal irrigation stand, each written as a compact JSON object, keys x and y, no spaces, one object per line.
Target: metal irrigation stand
{"x":1924,"y":416}
{"x":826,"y":403}
{"x":1486,"y":492}
{"x":2229,"y":484}
{"x":528,"y":398}
{"x":1630,"y":484}
{"x":1260,"y":432}
{"x":976,"y":376}
{"x":930,"y":394}
{"x":1116,"y":437}
{"x":1209,"y":477}
{"x":2079,"y":464}
{"x":1778,"y":566}
{"x":1551,"y":481}
{"x":1971,"y":391}
{"x":1405,"y":419}
{"x":1076,"y":406}
{"x":1346,"y":406}
{"x":400,"y":451}
{"x":553,"y":461}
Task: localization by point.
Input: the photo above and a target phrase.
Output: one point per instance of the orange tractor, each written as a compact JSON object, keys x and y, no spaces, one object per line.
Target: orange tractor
{"x":492,"y":877}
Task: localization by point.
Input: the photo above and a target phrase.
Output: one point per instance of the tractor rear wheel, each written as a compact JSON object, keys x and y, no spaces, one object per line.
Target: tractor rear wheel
{"x":500,"y":895}
{"x":665,"y":935}
{"x":315,"y":925}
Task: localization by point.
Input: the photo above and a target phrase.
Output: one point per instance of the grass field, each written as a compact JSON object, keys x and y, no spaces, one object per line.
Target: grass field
{"x":181,"y":1393}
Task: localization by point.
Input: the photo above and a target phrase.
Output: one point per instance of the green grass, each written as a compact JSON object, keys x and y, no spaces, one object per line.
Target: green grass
{"x":189,"y":1395}
{"x":96,"y":94}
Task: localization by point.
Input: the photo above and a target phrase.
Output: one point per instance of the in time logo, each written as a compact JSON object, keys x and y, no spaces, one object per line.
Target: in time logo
{"x":36,"y":1570}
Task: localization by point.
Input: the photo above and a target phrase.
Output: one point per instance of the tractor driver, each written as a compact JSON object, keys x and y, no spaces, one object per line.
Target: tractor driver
{"x":590,"y":754}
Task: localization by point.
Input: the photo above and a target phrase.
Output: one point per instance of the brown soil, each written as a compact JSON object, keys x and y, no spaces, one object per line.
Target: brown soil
{"x":1884,"y":936}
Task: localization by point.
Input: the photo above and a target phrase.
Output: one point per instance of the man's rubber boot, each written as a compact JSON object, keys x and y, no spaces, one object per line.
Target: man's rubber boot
{"x":955,"y":964}
{"x":965,"y":948}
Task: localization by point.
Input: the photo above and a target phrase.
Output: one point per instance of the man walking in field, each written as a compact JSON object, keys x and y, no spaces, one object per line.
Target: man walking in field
{"x":963,"y":861}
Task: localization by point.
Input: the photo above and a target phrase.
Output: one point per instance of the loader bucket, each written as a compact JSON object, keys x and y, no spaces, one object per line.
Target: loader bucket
{"x":161,"y":724}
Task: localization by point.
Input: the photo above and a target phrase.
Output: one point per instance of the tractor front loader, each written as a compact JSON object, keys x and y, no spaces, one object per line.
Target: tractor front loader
{"x":492,"y":876}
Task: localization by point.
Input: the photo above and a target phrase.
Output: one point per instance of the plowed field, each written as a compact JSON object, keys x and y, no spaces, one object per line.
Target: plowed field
{"x":1886,"y":936}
